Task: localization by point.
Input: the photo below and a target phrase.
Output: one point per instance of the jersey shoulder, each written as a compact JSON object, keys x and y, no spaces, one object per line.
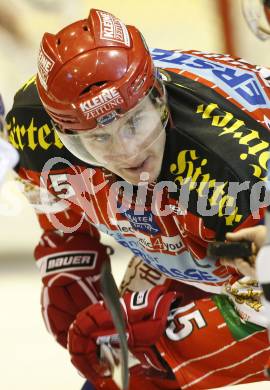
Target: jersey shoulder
{"x":217,"y":129}
{"x":214,"y":146}
{"x":31,"y":132}
{"x":247,"y":85}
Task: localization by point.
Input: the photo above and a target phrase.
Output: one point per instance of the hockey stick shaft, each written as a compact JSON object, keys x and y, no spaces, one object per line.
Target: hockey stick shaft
{"x":112,"y":300}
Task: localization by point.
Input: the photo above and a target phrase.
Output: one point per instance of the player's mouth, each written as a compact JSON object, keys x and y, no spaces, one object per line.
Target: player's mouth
{"x":142,"y":166}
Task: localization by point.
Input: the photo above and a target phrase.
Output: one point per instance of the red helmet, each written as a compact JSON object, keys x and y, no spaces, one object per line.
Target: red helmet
{"x":92,"y":71}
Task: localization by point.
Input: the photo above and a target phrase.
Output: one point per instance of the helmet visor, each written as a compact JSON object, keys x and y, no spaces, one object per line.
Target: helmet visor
{"x":125,"y":137}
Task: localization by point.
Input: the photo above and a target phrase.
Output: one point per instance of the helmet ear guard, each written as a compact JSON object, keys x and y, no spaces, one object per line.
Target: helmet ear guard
{"x":93,"y":70}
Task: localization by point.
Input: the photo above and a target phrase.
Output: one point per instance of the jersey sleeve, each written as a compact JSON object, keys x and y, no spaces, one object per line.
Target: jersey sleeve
{"x":69,"y":254}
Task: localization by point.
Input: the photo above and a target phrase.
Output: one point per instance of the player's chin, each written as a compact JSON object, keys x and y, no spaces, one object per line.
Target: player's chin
{"x":145,"y":173}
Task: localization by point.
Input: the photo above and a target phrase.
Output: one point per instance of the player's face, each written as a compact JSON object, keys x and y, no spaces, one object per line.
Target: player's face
{"x":143,"y":157}
{"x":130,"y":146}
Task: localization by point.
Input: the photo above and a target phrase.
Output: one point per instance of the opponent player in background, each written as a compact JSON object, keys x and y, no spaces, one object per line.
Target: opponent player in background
{"x":257,"y":16}
{"x":165,"y":161}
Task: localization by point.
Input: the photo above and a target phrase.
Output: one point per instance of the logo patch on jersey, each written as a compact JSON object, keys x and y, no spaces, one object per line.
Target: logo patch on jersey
{"x":145,"y":222}
{"x":113,"y":29}
{"x":45,"y":65}
{"x":139,"y":300}
{"x":102,"y":104}
{"x":70,"y":260}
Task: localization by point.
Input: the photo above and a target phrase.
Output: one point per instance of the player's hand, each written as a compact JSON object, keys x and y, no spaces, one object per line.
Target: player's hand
{"x":145,"y":315}
{"x":255,"y":234}
{"x":69,"y":289}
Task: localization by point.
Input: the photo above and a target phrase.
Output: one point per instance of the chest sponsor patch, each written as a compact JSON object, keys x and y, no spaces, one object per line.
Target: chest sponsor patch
{"x":144,"y":223}
{"x":180,"y":266}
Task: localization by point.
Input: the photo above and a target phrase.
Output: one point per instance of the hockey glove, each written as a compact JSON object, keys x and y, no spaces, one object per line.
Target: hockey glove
{"x":145,"y":315}
{"x":71,"y":279}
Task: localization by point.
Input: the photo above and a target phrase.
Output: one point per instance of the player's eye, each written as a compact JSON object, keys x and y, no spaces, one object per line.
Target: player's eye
{"x":101,"y":138}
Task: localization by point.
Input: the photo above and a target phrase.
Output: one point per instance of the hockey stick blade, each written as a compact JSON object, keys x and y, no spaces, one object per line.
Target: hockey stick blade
{"x":112,"y":300}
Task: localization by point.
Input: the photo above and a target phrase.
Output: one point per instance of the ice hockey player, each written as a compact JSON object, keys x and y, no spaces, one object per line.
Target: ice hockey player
{"x":164,"y":151}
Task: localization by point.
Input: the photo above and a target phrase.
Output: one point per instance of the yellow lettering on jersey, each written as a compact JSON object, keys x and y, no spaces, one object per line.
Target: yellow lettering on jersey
{"x":32,"y":136}
{"x":206,"y":111}
{"x":189,"y":171}
{"x":247,"y":137}
{"x":261,"y":171}
{"x":43,"y":133}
